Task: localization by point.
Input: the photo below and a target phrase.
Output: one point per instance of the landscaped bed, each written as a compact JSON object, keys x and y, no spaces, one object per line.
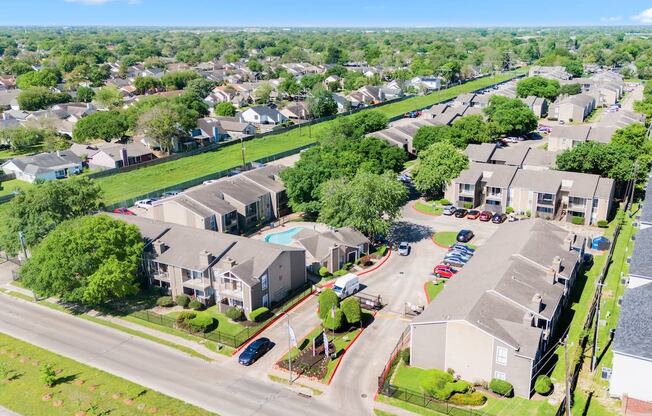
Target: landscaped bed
{"x":78,"y":389}
{"x":434,"y":288}
{"x":428,"y":208}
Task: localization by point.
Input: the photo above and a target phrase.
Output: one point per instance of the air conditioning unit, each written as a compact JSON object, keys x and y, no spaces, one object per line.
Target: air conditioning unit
{"x":606,"y":373}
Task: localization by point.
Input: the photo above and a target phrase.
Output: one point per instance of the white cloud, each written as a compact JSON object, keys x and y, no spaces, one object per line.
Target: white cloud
{"x":644,"y":17}
{"x":611,"y":19}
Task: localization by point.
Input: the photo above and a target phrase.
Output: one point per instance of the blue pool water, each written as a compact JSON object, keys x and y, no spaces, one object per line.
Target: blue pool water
{"x":284,"y":237}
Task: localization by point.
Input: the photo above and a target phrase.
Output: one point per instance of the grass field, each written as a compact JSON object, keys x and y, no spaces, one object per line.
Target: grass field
{"x":428,"y":208}
{"x":434,"y":289}
{"x":225,"y":325}
{"x":8,"y":187}
{"x":79,"y":389}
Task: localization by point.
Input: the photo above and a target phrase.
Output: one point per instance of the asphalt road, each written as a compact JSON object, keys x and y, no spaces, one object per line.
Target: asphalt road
{"x":210,"y":386}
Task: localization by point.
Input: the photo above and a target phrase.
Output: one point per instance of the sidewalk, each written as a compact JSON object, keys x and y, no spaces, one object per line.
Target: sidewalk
{"x":393,"y":410}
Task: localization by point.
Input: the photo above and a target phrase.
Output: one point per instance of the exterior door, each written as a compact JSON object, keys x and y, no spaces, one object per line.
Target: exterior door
{"x":266,"y":300}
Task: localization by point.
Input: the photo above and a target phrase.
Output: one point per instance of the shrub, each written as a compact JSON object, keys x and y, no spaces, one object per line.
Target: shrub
{"x":501,"y":387}
{"x":528,"y":213}
{"x":195,"y":305}
{"x":234,"y":314}
{"x":47,"y":374}
{"x":543,"y":385}
{"x":365,"y":261}
{"x":352,"y":311}
{"x":323,"y":272}
{"x":164,"y":301}
{"x":184,"y":318}
{"x":335,"y":323}
{"x":468,"y":205}
{"x":603,"y":223}
{"x":468,"y":399}
{"x":441,"y":385}
{"x":405,"y":356}
{"x":183,"y":300}
{"x":444,"y":201}
{"x":348,"y":265}
{"x":509,"y":210}
{"x":203,"y":322}
{"x":259,"y":315}
{"x":340,"y":273}
{"x":327,"y":299}
{"x":577,"y":220}
{"x":382,"y":250}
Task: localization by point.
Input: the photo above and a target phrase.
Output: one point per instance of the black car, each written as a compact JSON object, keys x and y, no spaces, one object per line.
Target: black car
{"x":499,"y":218}
{"x":464,"y":236}
{"x":460,"y":213}
{"x":255,"y":350}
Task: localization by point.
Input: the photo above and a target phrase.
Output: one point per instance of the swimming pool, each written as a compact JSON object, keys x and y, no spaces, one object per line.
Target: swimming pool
{"x":284,"y":237}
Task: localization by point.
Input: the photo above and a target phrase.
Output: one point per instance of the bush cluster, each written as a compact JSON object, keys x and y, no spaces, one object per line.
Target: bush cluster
{"x":442,"y":385}
{"x":259,"y":315}
{"x":323,"y":272}
{"x":183,"y":300}
{"x":195,"y":305}
{"x":577,"y":220}
{"x":603,"y":223}
{"x":468,"y":399}
{"x":165,"y":301}
{"x":543,"y":385}
{"x":501,"y":387}
{"x":234,"y":314}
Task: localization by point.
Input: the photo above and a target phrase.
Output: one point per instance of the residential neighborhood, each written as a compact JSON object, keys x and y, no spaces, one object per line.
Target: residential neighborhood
{"x":418,"y":209}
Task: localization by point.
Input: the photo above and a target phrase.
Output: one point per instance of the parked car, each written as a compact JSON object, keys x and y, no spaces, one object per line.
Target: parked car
{"x":145,"y":203}
{"x":464,"y":236}
{"x":486,"y":216}
{"x":473,"y":214}
{"x":459,"y":253}
{"x":346,"y":285}
{"x":449,"y":210}
{"x":403,"y":248}
{"x":170,"y":193}
{"x":512,"y":218}
{"x":123,"y":211}
{"x":403,"y":178}
{"x":454,"y":261}
{"x":460,"y":213}
{"x":443,"y":272}
{"x":498,"y":218}
{"x":463,"y":247}
{"x":210,"y":181}
{"x":255,"y":350}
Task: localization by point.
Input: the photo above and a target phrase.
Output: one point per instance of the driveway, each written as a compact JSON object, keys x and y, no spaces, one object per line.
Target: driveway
{"x":6,"y":272}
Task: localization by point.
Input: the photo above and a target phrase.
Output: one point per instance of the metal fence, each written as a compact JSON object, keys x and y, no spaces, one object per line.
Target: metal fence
{"x":427,"y":402}
{"x":230,"y":340}
{"x":394,"y":356}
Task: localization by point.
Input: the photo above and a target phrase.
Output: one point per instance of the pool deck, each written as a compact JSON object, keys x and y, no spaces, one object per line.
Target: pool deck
{"x":289,"y":225}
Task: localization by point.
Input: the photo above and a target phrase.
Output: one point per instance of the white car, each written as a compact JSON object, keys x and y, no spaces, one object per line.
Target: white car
{"x":144,"y":203}
{"x":210,"y":181}
{"x":403,"y":248}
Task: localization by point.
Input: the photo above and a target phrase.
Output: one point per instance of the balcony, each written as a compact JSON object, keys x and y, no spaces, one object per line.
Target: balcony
{"x":545,"y":202}
{"x":197,"y":284}
{"x":466,"y":191}
{"x":162,"y":276}
{"x":232,"y":293}
{"x":495,"y":195}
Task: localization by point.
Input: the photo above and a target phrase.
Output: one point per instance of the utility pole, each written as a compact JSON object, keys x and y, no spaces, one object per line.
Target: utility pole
{"x":568,"y":397}
{"x":243,"y":152}
{"x":289,"y":350}
{"x":594,"y":350}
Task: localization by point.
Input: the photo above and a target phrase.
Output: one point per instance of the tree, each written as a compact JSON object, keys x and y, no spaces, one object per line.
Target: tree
{"x":37,"y":211}
{"x":263,"y":93}
{"x":472,"y":129}
{"x":200,"y":86}
{"x":322,"y":104}
{"x":21,"y":138}
{"x":570,"y":89}
{"x":289,"y":86}
{"x":614,"y":161}
{"x":177,"y":80}
{"x":538,"y":87}
{"x":428,"y":135}
{"x":101,"y":125}
{"x":334,"y":323}
{"x":146,"y":84}
{"x":369,"y":202}
{"x":88,"y":260}
{"x":437,"y":166}
{"x":633,"y":135}
{"x":225,"y":109}
{"x":327,"y":300}
{"x":309,"y":81}
{"x":162,"y":125}
{"x":85,"y":94}
{"x":38,"y":98}
{"x":47,"y":374}
{"x":43,"y":78}
{"x":109,"y":97}
{"x":352,"y":311}
{"x":510,"y":116}
{"x":574,"y":67}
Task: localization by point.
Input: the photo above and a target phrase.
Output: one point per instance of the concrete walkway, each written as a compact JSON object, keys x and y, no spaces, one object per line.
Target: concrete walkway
{"x":393,"y":410}
{"x":6,"y":412}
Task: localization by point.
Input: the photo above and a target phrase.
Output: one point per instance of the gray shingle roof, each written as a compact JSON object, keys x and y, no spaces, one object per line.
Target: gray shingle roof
{"x":480,"y":152}
{"x":646,"y":211}
{"x":634,"y":332}
{"x":641,"y":262}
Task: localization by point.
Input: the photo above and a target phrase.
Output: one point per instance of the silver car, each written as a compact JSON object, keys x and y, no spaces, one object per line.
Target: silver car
{"x":449,"y":210}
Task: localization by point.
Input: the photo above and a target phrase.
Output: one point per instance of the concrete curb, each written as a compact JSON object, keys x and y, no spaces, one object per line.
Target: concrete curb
{"x":337,"y":366}
{"x":437,"y":244}
{"x":387,"y":256}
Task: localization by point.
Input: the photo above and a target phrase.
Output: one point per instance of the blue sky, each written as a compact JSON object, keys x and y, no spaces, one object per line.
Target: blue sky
{"x":349,"y":13}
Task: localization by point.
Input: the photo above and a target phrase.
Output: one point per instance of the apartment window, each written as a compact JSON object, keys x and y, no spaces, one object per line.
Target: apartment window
{"x":493,"y":191}
{"x":545,"y":198}
{"x":250,"y":210}
{"x":491,"y":202}
{"x":501,"y":356}
{"x":192,"y":274}
{"x":264,"y":281}
{"x":577,"y":201}
{"x":544,"y":210}
{"x":466,"y":187}
{"x":213,"y":224}
{"x":500,"y":375}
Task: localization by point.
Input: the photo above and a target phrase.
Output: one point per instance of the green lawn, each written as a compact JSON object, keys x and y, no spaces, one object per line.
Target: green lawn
{"x":9,"y":154}
{"x":434,"y":289}
{"x":78,"y":387}
{"x":448,"y":238}
{"x":10,"y":186}
{"x":429,"y":208}
{"x":225,"y":325}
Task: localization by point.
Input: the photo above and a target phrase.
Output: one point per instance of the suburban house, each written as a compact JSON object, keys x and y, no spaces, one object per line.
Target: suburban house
{"x":112,"y":155}
{"x":632,"y":355}
{"x":217,"y":268}
{"x":44,"y":166}
{"x":538,"y":105}
{"x":531,"y":188}
{"x":296,"y":110}
{"x":262,"y":115}
{"x":402,"y":132}
{"x":498,"y":317}
{"x":229,"y":205}
{"x":426,"y":84}
{"x":332,"y":249}
{"x":216,"y":129}
{"x":572,"y":108}
{"x":567,"y":137}
{"x":367,"y":95}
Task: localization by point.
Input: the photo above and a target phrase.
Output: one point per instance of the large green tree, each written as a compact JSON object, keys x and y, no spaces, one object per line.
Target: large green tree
{"x":38,"y":98}
{"x":101,"y":125}
{"x":613,"y":160}
{"x":368,"y":202}
{"x":37,"y":211}
{"x":225,"y":109}
{"x":89,"y":260}
{"x":44,"y":78}
{"x":322,"y":104}
{"x":177,"y":80}
{"x":162,"y":125}
{"x":538,"y":87}
{"x":437,"y":166}
{"x":146,"y":84}
{"x":109,"y":97}
{"x":510,"y":116}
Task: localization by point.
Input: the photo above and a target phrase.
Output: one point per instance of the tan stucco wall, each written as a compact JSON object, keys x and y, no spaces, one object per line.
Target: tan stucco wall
{"x":468,"y":351}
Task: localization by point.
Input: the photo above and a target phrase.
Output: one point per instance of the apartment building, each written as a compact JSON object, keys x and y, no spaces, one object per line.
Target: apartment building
{"x":218,"y":268}
{"x":230,"y":205}
{"x":499,"y":316}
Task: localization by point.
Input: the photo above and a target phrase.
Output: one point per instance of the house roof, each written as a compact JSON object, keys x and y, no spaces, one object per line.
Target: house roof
{"x":646,"y":211}
{"x":318,"y":245}
{"x":634,"y":331}
{"x":266,"y":177}
{"x":494,"y":291}
{"x":540,"y":158}
{"x":513,"y":156}
{"x":480,"y":152}
{"x":640,"y":263}
{"x":46,"y":162}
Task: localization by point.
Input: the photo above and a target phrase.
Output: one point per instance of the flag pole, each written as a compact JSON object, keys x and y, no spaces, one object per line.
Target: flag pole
{"x":289,"y":350}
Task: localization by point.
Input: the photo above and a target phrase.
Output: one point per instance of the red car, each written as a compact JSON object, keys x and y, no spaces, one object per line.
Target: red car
{"x":473,"y":214}
{"x":485,"y":216}
{"x":123,"y":211}
{"x":445,"y":272}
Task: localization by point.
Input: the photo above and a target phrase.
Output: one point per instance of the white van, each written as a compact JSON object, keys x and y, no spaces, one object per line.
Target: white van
{"x":346,"y":285}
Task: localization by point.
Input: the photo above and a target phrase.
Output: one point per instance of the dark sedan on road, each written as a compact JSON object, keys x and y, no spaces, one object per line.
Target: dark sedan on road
{"x":461,"y":213}
{"x":498,"y":218}
{"x":255,"y":350}
{"x":464,"y":236}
